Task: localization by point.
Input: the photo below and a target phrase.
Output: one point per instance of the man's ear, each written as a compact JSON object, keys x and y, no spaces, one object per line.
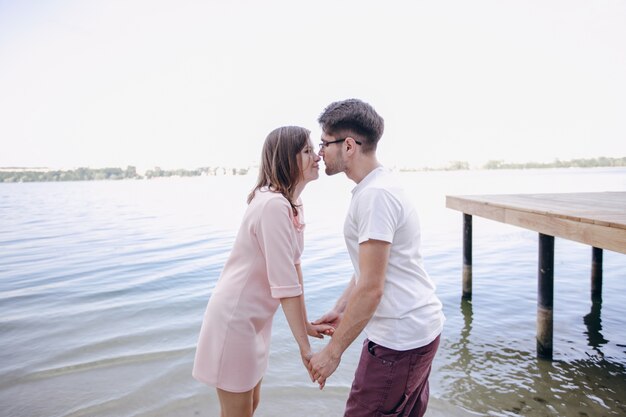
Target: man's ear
{"x":350,"y":144}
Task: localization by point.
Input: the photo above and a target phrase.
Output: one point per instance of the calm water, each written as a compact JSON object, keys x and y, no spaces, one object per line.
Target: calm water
{"x":103,"y":286}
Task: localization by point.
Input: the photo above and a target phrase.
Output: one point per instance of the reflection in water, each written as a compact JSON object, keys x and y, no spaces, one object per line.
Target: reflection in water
{"x":462,"y":347}
{"x":496,"y":378}
{"x":599,"y":380}
{"x":465,"y":358}
{"x":468,"y":313}
{"x":594,"y":327}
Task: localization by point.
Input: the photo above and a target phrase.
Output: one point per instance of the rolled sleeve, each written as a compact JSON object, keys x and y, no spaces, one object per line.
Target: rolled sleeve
{"x":278,"y":241}
{"x":285,"y":292}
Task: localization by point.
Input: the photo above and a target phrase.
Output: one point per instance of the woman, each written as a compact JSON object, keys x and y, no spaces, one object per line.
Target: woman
{"x":262,"y":271}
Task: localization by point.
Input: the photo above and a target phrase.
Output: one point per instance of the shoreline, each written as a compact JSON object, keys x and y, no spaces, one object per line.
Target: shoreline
{"x":283,"y":401}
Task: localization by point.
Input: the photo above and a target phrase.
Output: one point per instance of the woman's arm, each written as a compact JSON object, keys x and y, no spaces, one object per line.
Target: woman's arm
{"x":293,"y":307}
{"x":313,"y":329}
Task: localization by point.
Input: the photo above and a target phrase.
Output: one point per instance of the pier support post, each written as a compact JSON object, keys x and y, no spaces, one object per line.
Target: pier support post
{"x":596,"y":274}
{"x":545,"y":296}
{"x":467,"y":256}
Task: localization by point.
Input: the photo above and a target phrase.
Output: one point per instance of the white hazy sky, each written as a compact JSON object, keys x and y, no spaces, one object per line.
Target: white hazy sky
{"x":184,"y":84}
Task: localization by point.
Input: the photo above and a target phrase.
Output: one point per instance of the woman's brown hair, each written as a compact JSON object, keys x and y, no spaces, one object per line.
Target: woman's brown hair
{"x":279,"y":169}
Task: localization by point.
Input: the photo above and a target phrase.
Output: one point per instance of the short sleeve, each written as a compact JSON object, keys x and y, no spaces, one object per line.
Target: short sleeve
{"x":278,"y":241}
{"x":378,"y":215}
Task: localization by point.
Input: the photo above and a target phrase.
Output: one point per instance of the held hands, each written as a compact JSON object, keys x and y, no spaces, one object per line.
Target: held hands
{"x":332,"y":318}
{"x":324,"y":326}
{"x":306,"y":360}
{"x":319,"y":330}
{"x":327,"y":367}
{"x":323,"y":364}
{"x":320,"y":366}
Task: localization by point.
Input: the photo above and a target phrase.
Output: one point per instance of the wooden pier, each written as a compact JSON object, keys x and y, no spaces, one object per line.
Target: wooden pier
{"x":595,"y":219}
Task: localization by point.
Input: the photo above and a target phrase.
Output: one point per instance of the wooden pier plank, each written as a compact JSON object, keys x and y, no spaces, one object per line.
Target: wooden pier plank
{"x":596,"y":219}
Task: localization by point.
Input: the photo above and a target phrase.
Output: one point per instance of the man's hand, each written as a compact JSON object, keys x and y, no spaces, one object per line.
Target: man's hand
{"x":319,"y":330}
{"x":332,"y":318}
{"x":323,"y":364}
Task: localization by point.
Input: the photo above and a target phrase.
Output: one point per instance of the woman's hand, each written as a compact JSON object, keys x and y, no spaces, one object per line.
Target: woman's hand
{"x":319,"y":330}
{"x":306,"y":361}
{"x":332,"y":319}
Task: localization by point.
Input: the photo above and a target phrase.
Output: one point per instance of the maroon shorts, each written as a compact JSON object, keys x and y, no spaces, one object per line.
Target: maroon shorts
{"x":389,"y":382}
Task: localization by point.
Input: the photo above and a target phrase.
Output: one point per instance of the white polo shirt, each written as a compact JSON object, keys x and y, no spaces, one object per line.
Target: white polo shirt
{"x":409,"y":314}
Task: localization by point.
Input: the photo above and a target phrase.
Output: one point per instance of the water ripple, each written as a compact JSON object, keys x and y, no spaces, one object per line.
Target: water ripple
{"x":103,"y":286}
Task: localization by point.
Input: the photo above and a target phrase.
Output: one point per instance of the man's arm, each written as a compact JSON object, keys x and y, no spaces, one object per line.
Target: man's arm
{"x":362,"y":303}
{"x":333,"y":317}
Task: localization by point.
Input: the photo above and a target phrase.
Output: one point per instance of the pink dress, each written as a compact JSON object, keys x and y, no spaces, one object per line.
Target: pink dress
{"x":234,"y":342}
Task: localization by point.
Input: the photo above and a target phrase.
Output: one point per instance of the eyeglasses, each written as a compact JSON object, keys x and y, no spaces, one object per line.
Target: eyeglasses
{"x":326,"y":144}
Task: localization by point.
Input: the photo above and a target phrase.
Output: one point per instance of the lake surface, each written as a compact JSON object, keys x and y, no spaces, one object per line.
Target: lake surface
{"x":103,"y":286}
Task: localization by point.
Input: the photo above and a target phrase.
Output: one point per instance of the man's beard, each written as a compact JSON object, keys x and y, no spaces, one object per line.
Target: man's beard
{"x":334,"y":168}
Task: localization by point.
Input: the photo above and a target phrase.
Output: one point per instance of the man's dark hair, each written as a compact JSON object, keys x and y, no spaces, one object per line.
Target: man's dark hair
{"x":353,"y":117}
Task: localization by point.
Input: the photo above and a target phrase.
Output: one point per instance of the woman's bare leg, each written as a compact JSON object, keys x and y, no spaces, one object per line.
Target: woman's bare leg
{"x":256,"y":396}
{"x":239,"y":404}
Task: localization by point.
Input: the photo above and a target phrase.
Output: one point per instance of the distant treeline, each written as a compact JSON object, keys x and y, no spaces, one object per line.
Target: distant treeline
{"x":499,"y":164}
{"x":574,"y":163}
{"x":91,"y":174}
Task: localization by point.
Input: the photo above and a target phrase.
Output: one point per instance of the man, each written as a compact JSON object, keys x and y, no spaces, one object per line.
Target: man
{"x":390,"y":295}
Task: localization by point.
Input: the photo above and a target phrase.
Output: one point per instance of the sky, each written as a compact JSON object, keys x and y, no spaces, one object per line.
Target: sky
{"x":187,"y":84}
